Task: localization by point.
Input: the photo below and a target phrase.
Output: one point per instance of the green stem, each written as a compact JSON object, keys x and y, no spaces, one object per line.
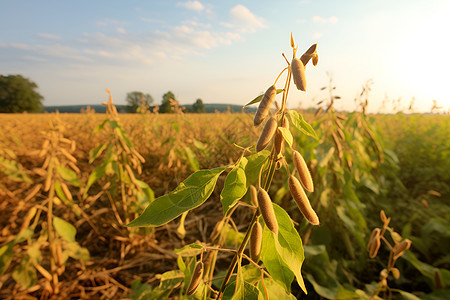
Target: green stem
{"x":238,"y":254}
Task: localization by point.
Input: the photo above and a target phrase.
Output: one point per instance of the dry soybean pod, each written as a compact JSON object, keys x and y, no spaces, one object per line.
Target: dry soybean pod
{"x":256,"y":241}
{"x":375,"y":235}
{"x":68,"y":155}
{"x":302,"y":200}
{"x":279,"y":140}
{"x":264,"y":105}
{"x":266,"y":134}
{"x":303,"y":171}
{"x":195,"y":279}
{"x":310,"y":53}
{"x":254,"y":195}
{"x":374,"y":247}
{"x":298,"y":73}
{"x":266,"y":208}
{"x":33,"y":192}
{"x":400,"y":248}
{"x":66,"y":191}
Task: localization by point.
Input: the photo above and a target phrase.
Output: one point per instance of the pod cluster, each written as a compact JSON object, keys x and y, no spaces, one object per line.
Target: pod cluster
{"x":297,"y":70}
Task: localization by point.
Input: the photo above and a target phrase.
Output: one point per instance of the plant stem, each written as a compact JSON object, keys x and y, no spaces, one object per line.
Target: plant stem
{"x":238,"y":254}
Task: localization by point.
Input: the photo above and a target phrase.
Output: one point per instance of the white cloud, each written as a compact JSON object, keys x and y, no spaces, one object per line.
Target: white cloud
{"x":192,"y":5}
{"x":49,"y":36}
{"x":121,"y":30}
{"x":301,"y":21}
{"x":61,"y":51}
{"x":101,"y":53}
{"x":109,"y":22}
{"x":243,"y":19}
{"x":19,"y":46}
{"x":332,"y":20}
{"x":34,"y":58}
{"x":317,"y":35}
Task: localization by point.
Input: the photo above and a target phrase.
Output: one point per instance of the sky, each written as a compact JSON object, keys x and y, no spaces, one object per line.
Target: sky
{"x":229,"y":51}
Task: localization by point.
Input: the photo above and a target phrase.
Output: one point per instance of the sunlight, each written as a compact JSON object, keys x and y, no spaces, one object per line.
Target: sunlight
{"x":422,"y":60}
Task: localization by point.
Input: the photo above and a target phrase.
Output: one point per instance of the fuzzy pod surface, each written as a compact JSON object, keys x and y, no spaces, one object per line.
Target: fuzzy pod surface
{"x":264,"y":105}
{"x":298,"y":73}
{"x":310,"y":53}
{"x":256,"y":242}
{"x":302,"y":200}
{"x":195,"y":279}
{"x":267,"y":212}
{"x":266,"y":134}
{"x":303,"y":171}
{"x":279,"y":139}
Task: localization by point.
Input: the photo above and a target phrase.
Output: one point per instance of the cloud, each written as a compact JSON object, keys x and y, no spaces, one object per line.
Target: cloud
{"x":111,"y":44}
{"x":49,"y":36}
{"x":34,"y":58}
{"x":121,"y":30}
{"x":109,"y":22}
{"x":244,"y":20}
{"x":317,"y":35}
{"x":19,"y":46}
{"x":192,"y":5}
{"x":332,"y":20}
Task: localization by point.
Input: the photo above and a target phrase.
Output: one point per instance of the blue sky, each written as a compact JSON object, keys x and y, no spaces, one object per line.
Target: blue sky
{"x":228,"y":51}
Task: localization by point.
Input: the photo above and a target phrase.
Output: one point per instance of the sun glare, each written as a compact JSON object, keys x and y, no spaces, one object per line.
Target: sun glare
{"x":422,"y":62}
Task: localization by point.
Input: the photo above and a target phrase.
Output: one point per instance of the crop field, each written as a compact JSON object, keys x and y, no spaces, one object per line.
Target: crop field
{"x":70,"y":183}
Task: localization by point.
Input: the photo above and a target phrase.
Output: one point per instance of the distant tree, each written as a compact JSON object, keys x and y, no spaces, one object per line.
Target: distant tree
{"x":17,"y":94}
{"x":169,"y":104}
{"x":198,"y":107}
{"x":138,"y":100}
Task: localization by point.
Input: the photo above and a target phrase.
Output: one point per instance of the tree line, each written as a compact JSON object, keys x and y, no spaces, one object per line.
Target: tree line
{"x":18,"y":94}
{"x":140,"y":102}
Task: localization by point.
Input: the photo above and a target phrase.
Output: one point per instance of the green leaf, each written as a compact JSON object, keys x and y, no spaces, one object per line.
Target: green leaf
{"x":74,"y":250}
{"x":300,"y":124}
{"x":64,"y":229}
{"x":274,"y":290}
{"x":189,"y":250}
{"x":6,"y":252}
{"x":14,"y":170}
{"x":69,"y":176}
{"x":169,"y":281}
{"x":244,"y":289}
{"x":190,"y":194}
{"x":141,"y":291}
{"x":287,"y":135}
{"x":113,"y":124}
{"x":408,"y":296}
{"x":98,"y":173}
{"x":60,"y":193}
{"x":95,"y":153}
{"x":100,"y":126}
{"x":254,"y":165}
{"x":25,"y":273}
{"x":6,"y":256}
{"x":276,"y":266}
{"x":192,"y":159}
{"x":259,"y":98}
{"x":289,"y":244}
{"x":235,"y":186}
{"x":322,"y":274}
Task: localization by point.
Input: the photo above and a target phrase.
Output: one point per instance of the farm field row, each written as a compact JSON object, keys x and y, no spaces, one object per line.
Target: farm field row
{"x":64,"y":233}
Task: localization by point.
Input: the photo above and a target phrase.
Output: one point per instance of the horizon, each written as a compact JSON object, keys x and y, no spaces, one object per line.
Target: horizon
{"x":229,"y":53}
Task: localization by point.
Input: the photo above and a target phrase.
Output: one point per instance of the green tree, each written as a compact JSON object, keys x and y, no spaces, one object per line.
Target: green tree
{"x":169,"y":104}
{"x":17,"y":94}
{"x":198,"y":106}
{"x":138,"y":100}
